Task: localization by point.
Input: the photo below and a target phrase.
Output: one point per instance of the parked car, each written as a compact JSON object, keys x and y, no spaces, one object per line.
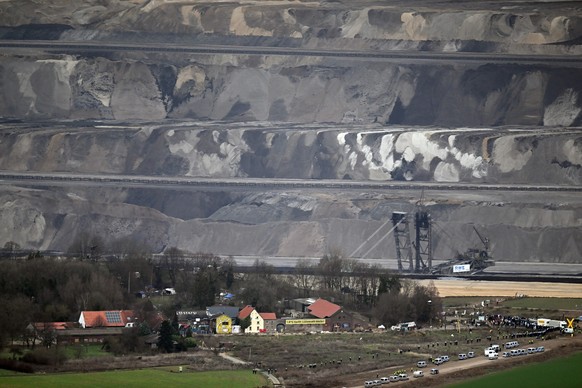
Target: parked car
{"x":471,"y":354}
{"x":384,"y":380}
{"x":418,"y":373}
{"x":437,"y":361}
{"x":445,"y":358}
{"x":421,"y":364}
{"x":462,"y":356}
{"x":394,"y":378}
{"x":493,"y":356}
{"x":403,"y":376}
{"x":540,"y":349}
{"x":434,"y":371}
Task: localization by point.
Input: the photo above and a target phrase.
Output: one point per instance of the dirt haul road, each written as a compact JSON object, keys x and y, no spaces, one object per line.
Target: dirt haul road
{"x":505,"y":288}
{"x":455,"y":371}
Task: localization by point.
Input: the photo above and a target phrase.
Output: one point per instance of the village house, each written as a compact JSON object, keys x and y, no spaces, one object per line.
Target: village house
{"x":337,"y":319}
{"x":197,"y":321}
{"x":104,"y":319}
{"x":259,"y":322}
{"x":223,"y":324}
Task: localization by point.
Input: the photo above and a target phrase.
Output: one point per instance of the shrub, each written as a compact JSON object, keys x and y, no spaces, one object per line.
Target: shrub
{"x":45,"y":356}
{"x":16,"y":366}
{"x":190,"y":342}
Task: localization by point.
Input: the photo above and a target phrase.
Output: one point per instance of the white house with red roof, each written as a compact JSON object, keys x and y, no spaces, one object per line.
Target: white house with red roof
{"x":114,"y":318}
{"x":260,"y":322}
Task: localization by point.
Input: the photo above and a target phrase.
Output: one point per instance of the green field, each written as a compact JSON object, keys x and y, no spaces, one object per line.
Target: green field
{"x":562,"y":373}
{"x":154,"y":377}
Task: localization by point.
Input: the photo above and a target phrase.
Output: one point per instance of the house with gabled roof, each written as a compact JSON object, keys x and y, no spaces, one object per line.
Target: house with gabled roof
{"x":245,"y":312}
{"x":112,"y":318}
{"x":230,"y":311}
{"x":321,"y":308}
{"x":260,"y":322}
{"x":336,"y":318}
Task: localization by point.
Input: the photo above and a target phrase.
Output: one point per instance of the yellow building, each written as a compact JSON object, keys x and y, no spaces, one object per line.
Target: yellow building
{"x":223,"y":324}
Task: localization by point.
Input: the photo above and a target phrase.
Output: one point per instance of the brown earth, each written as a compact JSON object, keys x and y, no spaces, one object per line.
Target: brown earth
{"x":505,"y":288}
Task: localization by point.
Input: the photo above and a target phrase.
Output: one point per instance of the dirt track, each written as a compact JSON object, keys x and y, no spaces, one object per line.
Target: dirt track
{"x":455,"y":371}
{"x":505,"y":288}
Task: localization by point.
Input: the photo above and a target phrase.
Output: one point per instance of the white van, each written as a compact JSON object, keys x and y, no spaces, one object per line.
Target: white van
{"x":384,"y":380}
{"x":403,"y":376}
{"x":437,"y":361}
{"x":462,"y":356}
{"x":418,"y":373}
{"x":445,"y":358}
{"x":493,"y":356}
{"x":421,"y":364}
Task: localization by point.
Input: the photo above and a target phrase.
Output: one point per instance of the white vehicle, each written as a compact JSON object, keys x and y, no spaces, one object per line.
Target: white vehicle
{"x":531,"y":350}
{"x":511,"y":344}
{"x":490,"y":350}
{"x":434,"y":371}
{"x":369,"y":384}
{"x":418,"y":373}
{"x":545,"y":322}
{"x":493,"y":356}
{"x":514,"y":352}
{"x":421,"y":364}
{"x":462,"y":356}
{"x":445,"y":358}
{"x":403,"y":376}
{"x":471,"y":354}
{"x":384,"y":380}
{"x":437,"y":361}
{"x":394,"y":378}
{"x":404,"y":326}
{"x":506,"y":354}
{"x":540,"y":349}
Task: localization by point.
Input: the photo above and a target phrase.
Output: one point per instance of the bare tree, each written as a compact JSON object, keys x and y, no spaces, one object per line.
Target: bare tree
{"x":304,"y":276}
{"x":172,"y":261}
{"x":330,"y":269}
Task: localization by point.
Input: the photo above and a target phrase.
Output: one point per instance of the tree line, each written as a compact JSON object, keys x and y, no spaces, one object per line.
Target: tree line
{"x":39,"y":289}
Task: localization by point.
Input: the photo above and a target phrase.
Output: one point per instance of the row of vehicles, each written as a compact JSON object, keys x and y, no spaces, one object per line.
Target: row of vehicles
{"x":398,"y":377}
{"x":522,"y":352}
{"x":492,"y":352}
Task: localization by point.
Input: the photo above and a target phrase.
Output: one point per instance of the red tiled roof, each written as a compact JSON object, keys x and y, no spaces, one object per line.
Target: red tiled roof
{"x":321,"y":308}
{"x":245,"y":312}
{"x":40,"y":326}
{"x":99,"y":318}
{"x":268,"y":316}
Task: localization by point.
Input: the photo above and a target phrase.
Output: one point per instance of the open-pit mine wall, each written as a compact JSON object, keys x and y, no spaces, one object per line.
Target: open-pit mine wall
{"x":293,"y":116}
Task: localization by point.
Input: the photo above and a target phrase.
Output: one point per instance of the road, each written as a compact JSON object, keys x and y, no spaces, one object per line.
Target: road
{"x":393,"y":56}
{"x":7,"y":177}
{"x":469,"y":368}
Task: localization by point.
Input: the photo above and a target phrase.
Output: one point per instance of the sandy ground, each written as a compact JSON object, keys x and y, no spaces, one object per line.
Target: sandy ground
{"x":505,"y":288}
